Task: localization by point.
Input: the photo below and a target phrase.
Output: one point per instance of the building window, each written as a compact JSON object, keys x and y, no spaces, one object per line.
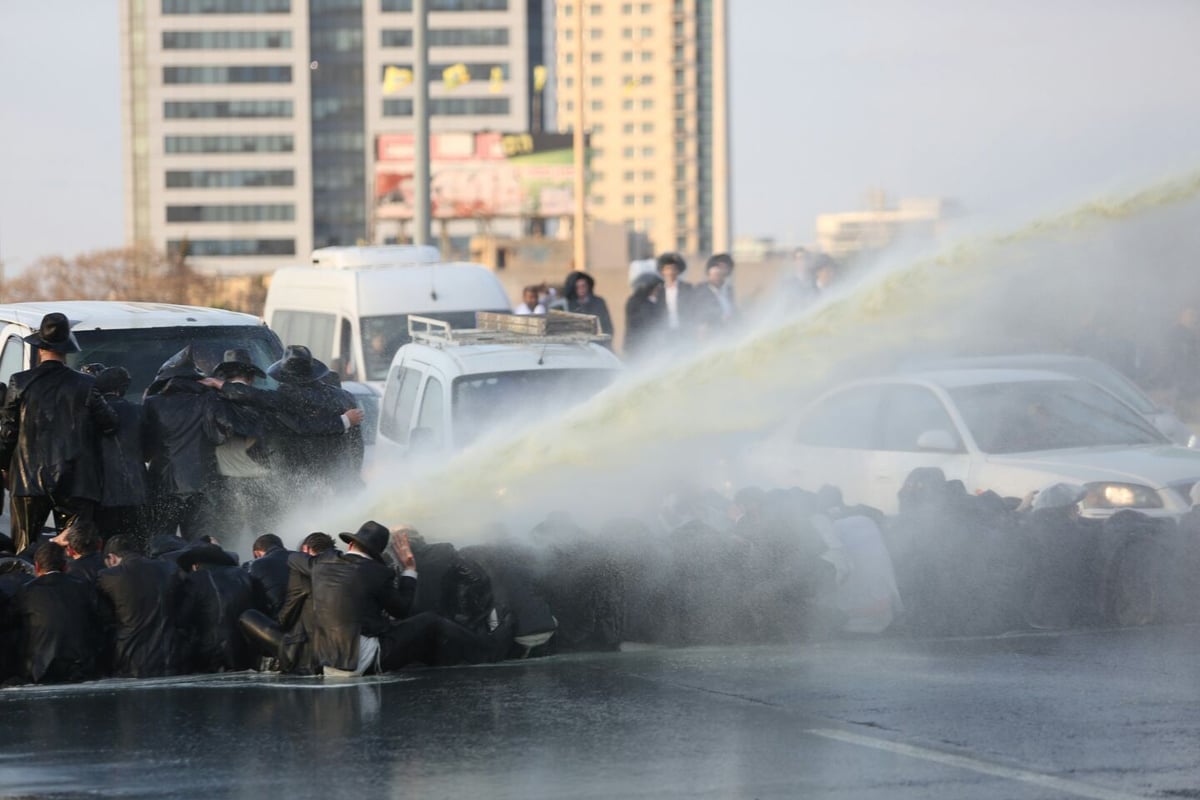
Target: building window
{"x":647,"y":33}
{"x":568,"y":81}
{"x":678,"y":30}
{"x":226,"y":40}
{"x":453,"y":107}
{"x":681,"y":243}
{"x":647,"y":105}
{"x":567,"y":10}
{"x":680,"y":173}
{"x":596,"y":58}
{"x":629,"y":199}
{"x":598,"y":199}
{"x":680,"y":102}
{"x":597,"y":105}
{"x":596,"y":80}
{"x":279,"y":212}
{"x":628,"y":176}
{"x":249,"y":74}
{"x":647,"y":152}
{"x":595,"y":33}
{"x":680,"y":77}
{"x":229,"y":178}
{"x":628,"y":152}
{"x":226,"y":6}
{"x":234,"y":247}
{"x":627,"y":57}
{"x":647,"y":8}
{"x":476,"y":71}
{"x":595,"y":9}
{"x":646,"y":79}
{"x":680,"y":148}
{"x":448,"y":37}
{"x":648,"y":175}
{"x":570,"y":58}
{"x":449,"y":5}
{"x":569,"y":34}
{"x":626,"y":33}
{"x":627,"y":104}
{"x":648,"y":199}
{"x":647,"y":127}
{"x":627,"y":127}
{"x":229,"y":144}
{"x":627,"y":8}
{"x":647,"y":56}
{"x":569,"y":106}
{"x":227,"y":109}
{"x":681,"y":197}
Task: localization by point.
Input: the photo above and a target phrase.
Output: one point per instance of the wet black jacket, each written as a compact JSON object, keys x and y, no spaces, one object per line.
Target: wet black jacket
{"x":296,"y":616}
{"x":181,"y":427}
{"x":122,"y":456}
{"x":215,"y":597}
{"x":354,"y":596}
{"x":271,"y":570}
{"x":141,"y":601}
{"x":308,"y":437}
{"x":593,"y":305}
{"x":50,"y":424}
{"x":86,"y":567}
{"x":60,"y":630}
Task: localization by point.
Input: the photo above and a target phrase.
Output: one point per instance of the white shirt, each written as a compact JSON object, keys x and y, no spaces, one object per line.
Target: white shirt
{"x":233,"y":461}
{"x":524,"y":309}
{"x":672,"y":295}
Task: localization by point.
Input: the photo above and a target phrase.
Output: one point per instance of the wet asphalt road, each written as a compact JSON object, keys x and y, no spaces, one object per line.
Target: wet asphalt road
{"x":1101,"y":715}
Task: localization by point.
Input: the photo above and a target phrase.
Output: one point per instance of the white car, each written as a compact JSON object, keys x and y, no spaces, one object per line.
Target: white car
{"x":1010,"y":431}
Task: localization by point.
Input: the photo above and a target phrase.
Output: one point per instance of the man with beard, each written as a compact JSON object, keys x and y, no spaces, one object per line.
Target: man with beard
{"x":49,"y":428}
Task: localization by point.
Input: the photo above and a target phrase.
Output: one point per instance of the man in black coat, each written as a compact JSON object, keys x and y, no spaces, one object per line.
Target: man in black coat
{"x":645,"y":316}
{"x":141,"y":601}
{"x":59,"y":625}
{"x":50,"y":424}
{"x":122,"y":506}
{"x":270,"y":568}
{"x":309,"y":418}
{"x":217,"y":593}
{"x":183,"y":422}
{"x":361,"y":606}
{"x":84,"y":550}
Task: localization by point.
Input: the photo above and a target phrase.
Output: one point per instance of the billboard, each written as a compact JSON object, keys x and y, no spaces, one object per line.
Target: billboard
{"x":475,"y":175}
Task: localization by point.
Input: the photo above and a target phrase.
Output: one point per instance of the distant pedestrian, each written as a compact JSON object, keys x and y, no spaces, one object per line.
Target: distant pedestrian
{"x":677,"y":293}
{"x":50,"y":427}
{"x":725,"y":262}
{"x":530,"y":303}
{"x":581,"y":299}
{"x":645,"y":315}
{"x":712,"y":308}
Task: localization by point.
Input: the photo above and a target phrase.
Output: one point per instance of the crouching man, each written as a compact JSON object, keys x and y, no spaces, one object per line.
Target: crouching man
{"x":361,"y":605}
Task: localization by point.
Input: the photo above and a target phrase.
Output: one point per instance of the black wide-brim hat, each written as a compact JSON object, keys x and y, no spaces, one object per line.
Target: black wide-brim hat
{"x":204,"y":554}
{"x":297,"y":366}
{"x":237,"y":361}
{"x":54,"y":334}
{"x":372,"y":537}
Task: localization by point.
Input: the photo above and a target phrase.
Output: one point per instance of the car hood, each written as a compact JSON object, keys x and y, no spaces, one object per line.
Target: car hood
{"x":1156,"y":466}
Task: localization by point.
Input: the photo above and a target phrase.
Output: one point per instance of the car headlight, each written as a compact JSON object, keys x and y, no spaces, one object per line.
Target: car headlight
{"x":1120,"y":495}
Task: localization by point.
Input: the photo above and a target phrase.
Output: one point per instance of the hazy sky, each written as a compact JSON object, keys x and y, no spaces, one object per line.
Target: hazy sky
{"x":1002,"y":105}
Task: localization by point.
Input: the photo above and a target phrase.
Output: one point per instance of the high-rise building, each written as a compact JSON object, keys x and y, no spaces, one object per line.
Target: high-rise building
{"x":656,"y":104}
{"x":251,"y":125}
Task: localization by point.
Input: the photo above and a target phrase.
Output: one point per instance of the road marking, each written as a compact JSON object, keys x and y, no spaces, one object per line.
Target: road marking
{"x":1041,"y":779}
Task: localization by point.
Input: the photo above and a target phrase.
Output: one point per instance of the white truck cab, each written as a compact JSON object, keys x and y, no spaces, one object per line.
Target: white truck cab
{"x":351,"y":305}
{"x":448,"y":387}
{"x":137,"y":336}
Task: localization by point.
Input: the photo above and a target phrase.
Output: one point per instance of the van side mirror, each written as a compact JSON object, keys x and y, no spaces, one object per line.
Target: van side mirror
{"x":937,"y":441}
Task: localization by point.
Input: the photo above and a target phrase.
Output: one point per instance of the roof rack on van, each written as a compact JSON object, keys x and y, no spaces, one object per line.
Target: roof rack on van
{"x":389,"y":255}
{"x":554,"y":327}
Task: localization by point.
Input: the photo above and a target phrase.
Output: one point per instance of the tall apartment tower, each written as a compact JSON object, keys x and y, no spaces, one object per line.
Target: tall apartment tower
{"x":250,"y":125}
{"x":656,"y":104}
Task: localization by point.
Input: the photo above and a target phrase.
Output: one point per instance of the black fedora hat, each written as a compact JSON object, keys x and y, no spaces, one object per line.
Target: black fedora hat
{"x":237,"y":361}
{"x":372,"y":537}
{"x":204,"y":554}
{"x":670,"y":258}
{"x":297,"y":366}
{"x":54,"y":334}
{"x":180,"y":365}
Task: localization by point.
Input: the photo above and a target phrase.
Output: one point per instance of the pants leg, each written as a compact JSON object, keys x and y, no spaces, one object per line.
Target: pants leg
{"x":433,"y":640}
{"x":28,"y":516}
{"x":194,"y":517}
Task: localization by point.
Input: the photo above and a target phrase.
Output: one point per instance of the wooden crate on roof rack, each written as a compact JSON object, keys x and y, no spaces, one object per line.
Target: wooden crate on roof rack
{"x":553,"y":323}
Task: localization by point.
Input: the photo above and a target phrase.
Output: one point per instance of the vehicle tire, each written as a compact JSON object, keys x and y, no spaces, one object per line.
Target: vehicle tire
{"x":1133,"y":590}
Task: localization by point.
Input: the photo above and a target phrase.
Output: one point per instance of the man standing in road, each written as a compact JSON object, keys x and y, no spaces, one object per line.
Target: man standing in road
{"x":49,"y":428}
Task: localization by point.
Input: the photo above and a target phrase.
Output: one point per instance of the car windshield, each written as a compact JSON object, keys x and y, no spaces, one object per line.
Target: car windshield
{"x":142,"y":351}
{"x":482,"y":401}
{"x":1027,"y":416}
{"x":383,"y":336}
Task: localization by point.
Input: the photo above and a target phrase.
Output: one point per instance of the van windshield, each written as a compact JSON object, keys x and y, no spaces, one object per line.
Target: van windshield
{"x":383,"y":336}
{"x":142,"y":351}
{"x":484,"y":400}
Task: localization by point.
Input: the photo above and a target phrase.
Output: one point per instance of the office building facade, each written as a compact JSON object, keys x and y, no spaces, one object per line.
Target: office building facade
{"x":654,"y":76}
{"x":250,"y":125}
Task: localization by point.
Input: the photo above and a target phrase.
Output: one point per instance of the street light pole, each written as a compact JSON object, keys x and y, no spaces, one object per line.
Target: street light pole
{"x":421,"y":209}
{"x":580,"y":223}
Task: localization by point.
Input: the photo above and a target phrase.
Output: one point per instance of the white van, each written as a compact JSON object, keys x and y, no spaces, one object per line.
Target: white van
{"x":137,"y":336}
{"x":448,"y":387}
{"x":351,"y":306}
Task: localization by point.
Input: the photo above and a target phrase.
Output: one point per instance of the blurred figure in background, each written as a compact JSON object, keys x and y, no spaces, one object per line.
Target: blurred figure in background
{"x":530,"y":304}
{"x":677,"y":294}
{"x":645,"y":315}
{"x":581,"y":299}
